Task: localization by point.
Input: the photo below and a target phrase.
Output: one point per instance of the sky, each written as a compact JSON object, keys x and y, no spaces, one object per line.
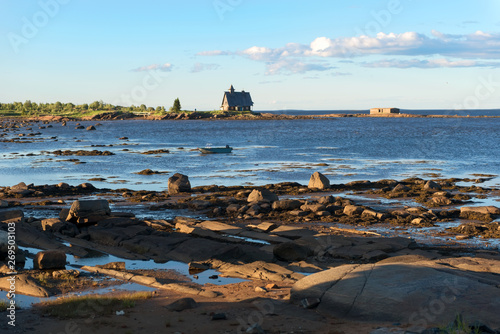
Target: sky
{"x":289,"y":54}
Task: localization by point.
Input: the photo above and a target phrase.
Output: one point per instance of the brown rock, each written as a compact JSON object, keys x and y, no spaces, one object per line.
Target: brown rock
{"x":50,"y":259}
{"x":318,"y":181}
{"x":178,"y":183}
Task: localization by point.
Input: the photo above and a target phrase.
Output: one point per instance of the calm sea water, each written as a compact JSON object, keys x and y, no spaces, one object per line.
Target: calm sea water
{"x":450,"y":112}
{"x":344,"y":149}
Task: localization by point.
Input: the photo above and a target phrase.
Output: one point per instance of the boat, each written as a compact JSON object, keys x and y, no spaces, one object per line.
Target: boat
{"x":212,"y":150}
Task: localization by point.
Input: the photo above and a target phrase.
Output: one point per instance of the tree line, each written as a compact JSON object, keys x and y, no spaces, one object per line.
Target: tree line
{"x":30,"y":108}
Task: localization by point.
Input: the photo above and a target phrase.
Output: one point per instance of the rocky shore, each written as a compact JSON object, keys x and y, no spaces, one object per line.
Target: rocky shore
{"x":313,"y":256}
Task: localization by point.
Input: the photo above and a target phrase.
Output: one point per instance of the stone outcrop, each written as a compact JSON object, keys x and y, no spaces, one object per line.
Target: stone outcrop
{"x":178,"y":183}
{"x":318,"y":181}
{"x":421,"y":293}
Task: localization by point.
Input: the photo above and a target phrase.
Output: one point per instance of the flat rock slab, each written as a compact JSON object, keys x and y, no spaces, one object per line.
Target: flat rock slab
{"x":293,"y":232}
{"x":221,"y":227}
{"x":419,"y":293}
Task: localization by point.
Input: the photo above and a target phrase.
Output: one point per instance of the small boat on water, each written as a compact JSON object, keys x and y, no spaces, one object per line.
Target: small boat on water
{"x":212,"y":150}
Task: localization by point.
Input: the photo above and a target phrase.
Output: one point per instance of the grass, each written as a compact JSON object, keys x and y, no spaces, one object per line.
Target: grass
{"x":3,"y":305}
{"x":91,"y":305}
{"x":460,"y":326}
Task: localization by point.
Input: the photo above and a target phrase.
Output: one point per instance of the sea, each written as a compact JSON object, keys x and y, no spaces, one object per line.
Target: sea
{"x":265,"y":151}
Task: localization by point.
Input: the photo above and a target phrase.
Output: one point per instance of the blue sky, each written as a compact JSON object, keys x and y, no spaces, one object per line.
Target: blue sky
{"x":352,"y":54}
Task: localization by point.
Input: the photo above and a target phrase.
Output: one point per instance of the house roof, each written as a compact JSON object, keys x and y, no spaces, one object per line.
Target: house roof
{"x":235,"y":99}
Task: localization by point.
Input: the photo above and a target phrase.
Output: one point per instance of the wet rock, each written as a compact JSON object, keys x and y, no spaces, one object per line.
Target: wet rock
{"x":232,"y":209}
{"x":4,"y":204}
{"x":326,"y":200}
{"x":91,"y":128}
{"x":20,"y":189}
{"x":50,"y":259}
{"x":310,"y":303}
{"x":56,"y":225}
{"x":65,"y":273}
{"x":286,"y":205}
{"x":262,"y":195}
{"x":318,"y":181}
{"x":88,"y":211}
{"x":118,"y":265}
{"x":178,"y":183}
{"x":291,"y":251}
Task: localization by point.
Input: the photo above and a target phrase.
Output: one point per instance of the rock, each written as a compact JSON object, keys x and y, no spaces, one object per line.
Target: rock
{"x":440,"y":200}
{"x":286,"y":205}
{"x":372,"y":213}
{"x":20,"y":189}
{"x":313,"y":207}
{"x":271,"y":286}
{"x":264,"y":226}
{"x":290,"y":251}
{"x":260,"y":289}
{"x":24,"y":285}
{"x":4,"y":204}
{"x":11,"y":216}
{"x":352,"y":210}
{"x":492,"y":210}
{"x":118,"y":265}
{"x":65,"y":273}
{"x":298,"y":213}
{"x":182,"y":304}
{"x":50,"y":259}
{"x":88,"y":211}
{"x":178,"y":183}
{"x":484,"y":213}
{"x":63,"y":185}
{"x":400,"y":188}
{"x":399,"y":292}
{"x":56,"y":225}
{"x":310,"y":302}
{"x":232,"y":208}
{"x":262,"y":195}
{"x":318,"y":181}
{"x":432,"y":186}
{"x":90,"y":128}
{"x":326,"y":200}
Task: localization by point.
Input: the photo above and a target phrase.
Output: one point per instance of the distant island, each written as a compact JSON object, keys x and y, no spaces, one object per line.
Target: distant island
{"x":98,"y":110}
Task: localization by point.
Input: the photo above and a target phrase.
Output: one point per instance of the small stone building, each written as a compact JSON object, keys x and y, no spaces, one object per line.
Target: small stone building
{"x":236,"y":101}
{"x":376,"y":111}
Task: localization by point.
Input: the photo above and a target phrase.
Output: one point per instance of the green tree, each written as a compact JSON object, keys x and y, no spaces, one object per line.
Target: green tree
{"x":94,"y":105}
{"x":177,"y":105}
{"x":57,"y":106}
{"x":143,"y":107}
{"x":27,"y":105}
{"x":85,"y":106}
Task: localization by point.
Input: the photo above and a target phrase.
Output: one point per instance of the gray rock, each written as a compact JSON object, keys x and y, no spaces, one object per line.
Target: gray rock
{"x":11,"y":216}
{"x":419,"y":293}
{"x":400,"y":188}
{"x":262,"y":195}
{"x":178,"y":183}
{"x":432,"y":186}
{"x":318,"y":181}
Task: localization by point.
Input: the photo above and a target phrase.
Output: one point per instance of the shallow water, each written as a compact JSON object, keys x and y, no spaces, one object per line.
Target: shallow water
{"x":344,"y":149}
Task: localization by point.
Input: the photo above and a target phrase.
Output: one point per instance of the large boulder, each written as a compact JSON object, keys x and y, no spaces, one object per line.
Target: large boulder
{"x":432,"y":186}
{"x":88,"y":211}
{"x":178,"y":183}
{"x":485,"y":213}
{"x":422,"y":293}
{"x":318,"y":181}
{"x":262,"y":195}
{"x":50,"y":259}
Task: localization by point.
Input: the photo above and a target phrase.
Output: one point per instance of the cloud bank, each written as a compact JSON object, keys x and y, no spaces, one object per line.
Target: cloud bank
{"x":167,"y":67}
{"x":300,"y":58}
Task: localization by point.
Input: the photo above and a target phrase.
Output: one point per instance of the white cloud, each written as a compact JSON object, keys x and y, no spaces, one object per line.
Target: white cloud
{"x":292,"y":57}
{"x":432,"y":63}
{"x":167,"y":67}
{"x":199,"y":67}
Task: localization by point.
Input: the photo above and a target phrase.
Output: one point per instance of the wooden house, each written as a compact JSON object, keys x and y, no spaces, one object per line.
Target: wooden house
{"x":236,"y":101}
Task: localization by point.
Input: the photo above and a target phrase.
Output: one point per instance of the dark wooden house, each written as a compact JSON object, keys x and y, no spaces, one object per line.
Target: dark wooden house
{"x":236,"y":101}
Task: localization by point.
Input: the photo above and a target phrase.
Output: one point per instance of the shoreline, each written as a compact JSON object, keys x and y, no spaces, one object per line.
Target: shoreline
{"x":111,"y":116}
{"x":276,"y":237}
